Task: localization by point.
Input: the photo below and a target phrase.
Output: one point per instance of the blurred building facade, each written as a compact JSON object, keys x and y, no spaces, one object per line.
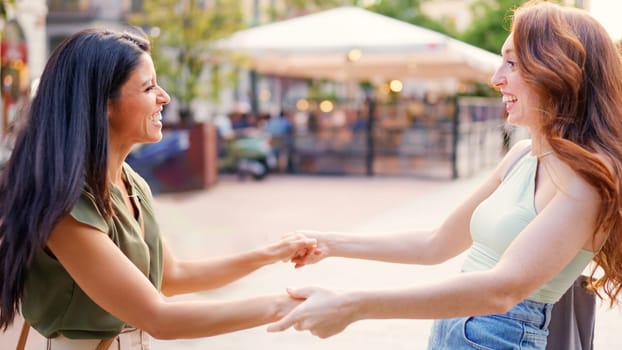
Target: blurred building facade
{"x":69,"y":16}
{"x":23,"y":55}
{"x":35,"y":27}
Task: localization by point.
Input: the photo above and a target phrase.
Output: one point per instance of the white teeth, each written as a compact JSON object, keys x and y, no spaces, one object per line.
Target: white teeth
{"x":156,"y":117}
{"x":507,"y":98}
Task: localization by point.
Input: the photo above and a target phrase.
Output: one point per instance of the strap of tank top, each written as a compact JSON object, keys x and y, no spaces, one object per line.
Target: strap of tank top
{"x":525,"y":152}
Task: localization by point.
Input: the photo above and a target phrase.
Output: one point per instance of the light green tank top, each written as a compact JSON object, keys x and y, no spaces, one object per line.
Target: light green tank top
{"x":55,"y":305}
{"x":502,"y":216}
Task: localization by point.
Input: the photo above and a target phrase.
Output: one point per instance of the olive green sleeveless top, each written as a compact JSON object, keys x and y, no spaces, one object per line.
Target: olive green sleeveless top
{"x":55,"y":305}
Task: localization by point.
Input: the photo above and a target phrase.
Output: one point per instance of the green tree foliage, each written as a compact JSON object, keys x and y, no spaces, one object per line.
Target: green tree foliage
{"x":314,"y":5}
{"x":3,"y":7}
{"x":491,"y":23}
{"x":410,"y":11}
{"x":181,"y":33}
{"x":488,"y":30}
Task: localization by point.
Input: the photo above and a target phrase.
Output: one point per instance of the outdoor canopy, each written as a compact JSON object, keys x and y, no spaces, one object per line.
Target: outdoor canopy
{"x":352,"y":44}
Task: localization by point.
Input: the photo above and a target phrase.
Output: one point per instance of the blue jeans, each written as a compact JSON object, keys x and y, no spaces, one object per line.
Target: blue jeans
{"x":524,"y":327}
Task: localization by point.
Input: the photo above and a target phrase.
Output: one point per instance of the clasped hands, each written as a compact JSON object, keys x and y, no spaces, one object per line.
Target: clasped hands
{"x":323,"y":312}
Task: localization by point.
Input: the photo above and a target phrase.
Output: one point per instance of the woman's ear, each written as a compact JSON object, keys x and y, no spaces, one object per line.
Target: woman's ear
{"x":109,"y":106}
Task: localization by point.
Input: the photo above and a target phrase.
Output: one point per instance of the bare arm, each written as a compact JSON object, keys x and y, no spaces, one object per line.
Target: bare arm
{"x":191,"y":276}
{"x":539,"y":253}
{"x":114,"y":283}
{"x":413,"y":247}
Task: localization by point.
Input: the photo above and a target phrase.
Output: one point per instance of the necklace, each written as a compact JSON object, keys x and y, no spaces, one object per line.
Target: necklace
{"x":542,"y":155}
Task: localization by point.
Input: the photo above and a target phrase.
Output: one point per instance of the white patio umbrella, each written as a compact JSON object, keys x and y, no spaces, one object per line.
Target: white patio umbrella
{"x":352,"y":44}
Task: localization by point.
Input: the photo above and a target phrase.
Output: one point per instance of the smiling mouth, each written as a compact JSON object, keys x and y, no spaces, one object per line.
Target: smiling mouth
{"x":156,"y":117}
{"x":509,"y":99}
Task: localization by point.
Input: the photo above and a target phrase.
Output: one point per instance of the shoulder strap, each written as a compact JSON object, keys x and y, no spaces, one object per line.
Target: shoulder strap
{"x":105,"y":344}
{"x":525,"y":152}
{"x":23,"y":336}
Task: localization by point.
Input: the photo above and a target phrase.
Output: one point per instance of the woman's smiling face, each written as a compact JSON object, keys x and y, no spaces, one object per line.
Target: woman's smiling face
{"x":521,"y":103}
{"x":135,"y":115}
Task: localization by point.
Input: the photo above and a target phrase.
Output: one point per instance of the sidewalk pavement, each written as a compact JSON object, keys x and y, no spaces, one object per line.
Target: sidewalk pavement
{"x":237,"y":215}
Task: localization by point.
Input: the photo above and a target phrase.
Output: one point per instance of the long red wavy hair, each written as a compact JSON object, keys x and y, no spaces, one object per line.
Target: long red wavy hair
{"x":572,"y":63}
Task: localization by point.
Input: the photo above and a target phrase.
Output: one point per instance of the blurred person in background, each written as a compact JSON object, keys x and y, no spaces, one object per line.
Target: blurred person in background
{"x":550,"y":208}
{"x":281,"y":131}
{"x":81,"y":255}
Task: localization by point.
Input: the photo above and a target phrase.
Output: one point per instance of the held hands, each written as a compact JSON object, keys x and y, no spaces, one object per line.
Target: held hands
{"x":310,"y":256}
{"x":324,"y":313}
{"x":291,"y":247}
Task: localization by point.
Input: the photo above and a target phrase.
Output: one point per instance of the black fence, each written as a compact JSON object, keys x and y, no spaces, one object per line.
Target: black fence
{"x":446,"y":139}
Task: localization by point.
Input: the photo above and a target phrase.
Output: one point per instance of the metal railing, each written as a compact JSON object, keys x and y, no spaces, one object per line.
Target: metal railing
{"x":448,"y":139}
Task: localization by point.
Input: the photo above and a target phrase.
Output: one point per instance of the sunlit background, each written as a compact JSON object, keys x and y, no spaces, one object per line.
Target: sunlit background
{"x":608,"y":13}
{"x":398,"y":129}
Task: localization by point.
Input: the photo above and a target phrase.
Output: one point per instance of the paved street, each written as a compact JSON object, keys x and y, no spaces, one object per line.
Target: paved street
{"x":234,"y":216}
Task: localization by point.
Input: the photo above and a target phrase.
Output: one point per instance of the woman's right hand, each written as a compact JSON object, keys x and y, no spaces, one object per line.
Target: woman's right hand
{"x":311,"y":256}
{"x":322,"y":312}
{"x":285,"y":304}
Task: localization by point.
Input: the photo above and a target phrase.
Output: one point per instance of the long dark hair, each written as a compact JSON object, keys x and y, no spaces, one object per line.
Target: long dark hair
{"x":568,"y":58}
{"x":61,"y":147}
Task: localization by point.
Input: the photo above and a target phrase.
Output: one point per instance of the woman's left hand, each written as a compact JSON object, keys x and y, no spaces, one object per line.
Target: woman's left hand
{"x":290,"y":247}
{"x":324,"y":313}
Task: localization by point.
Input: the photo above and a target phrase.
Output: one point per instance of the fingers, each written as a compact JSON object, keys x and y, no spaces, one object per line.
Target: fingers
{"x":298,"y":255}
{"x":305,"y":259}
{"x":294,"y":246}
{"x":283,"y":323}
{"x":306,"y":318}
{"x":300,"y":293}
{"x":303,"y":244}
{"x":302,"y":248}
{"x":301,"y":253}
{"x":300,"y":325}
{"x":300,"y":237}
{"x":293,"y":319}
{"x":312,"y":257}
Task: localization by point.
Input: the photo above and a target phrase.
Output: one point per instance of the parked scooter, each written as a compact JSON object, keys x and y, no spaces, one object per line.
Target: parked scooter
{"x":245,"y":152}
{"x":249,"y":155}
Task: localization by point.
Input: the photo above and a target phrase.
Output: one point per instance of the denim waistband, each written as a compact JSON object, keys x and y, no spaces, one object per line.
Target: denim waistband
{"x":531,"y":311}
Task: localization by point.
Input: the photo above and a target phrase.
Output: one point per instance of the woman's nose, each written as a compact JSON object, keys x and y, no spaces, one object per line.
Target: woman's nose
{"x":164,"y":97}
{"x":497,"y":80}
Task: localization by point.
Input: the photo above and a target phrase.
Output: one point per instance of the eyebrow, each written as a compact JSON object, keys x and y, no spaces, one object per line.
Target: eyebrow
{"x":507,"y":51}
{"x":146,"y":82}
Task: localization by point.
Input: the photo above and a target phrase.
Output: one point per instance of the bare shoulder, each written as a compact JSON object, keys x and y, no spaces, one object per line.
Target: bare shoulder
{"x":510,"y":158}
{"x":519,"y":149}
{"x":568,"y":182}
